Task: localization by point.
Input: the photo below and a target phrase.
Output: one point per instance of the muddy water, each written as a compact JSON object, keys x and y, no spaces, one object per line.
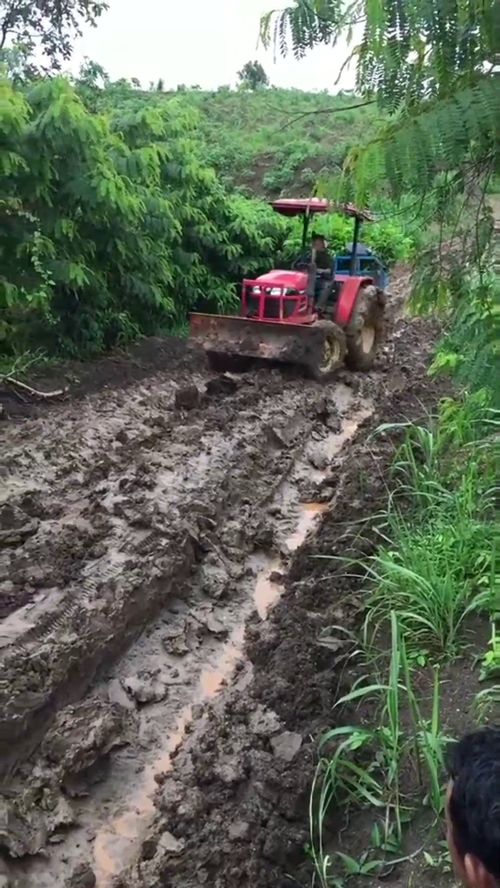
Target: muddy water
{"x":118,"y":841}
{"x":270,"y":579}
{"x":268,"y":590}
{"x":310,"y":512}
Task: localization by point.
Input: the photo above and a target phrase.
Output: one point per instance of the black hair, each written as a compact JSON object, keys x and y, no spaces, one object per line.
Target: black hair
{"x":316,"y":235}
{"x":474,"y":805}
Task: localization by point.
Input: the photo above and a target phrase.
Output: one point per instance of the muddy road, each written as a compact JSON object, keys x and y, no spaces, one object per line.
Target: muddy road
{"x":150,"y":538}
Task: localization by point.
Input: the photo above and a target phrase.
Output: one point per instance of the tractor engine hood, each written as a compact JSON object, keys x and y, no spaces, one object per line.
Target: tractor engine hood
{"x":287,"y":280}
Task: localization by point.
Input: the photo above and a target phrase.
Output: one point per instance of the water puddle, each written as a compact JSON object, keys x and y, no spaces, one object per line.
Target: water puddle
{"x":269,"y":585}
{"x":117,"y":843}
{"x":211,"y":680}
{"x":267,"y":589}
{"x":309,"y":514}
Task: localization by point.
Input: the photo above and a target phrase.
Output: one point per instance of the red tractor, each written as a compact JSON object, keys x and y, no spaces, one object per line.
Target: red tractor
{"x":279,"y":319}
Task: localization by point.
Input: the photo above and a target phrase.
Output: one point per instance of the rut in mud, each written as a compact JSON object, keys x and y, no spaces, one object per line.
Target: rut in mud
{"x":142,"y":532}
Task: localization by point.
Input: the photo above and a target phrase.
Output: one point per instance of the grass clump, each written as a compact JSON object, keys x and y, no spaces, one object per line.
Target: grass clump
{"x":390,"y":766}
{"x":435,"y":560}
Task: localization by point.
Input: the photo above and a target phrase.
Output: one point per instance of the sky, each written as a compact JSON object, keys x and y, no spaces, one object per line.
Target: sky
{"x":203,"y":42}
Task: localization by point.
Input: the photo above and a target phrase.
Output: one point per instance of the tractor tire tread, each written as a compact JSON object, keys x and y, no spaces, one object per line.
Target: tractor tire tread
{"x":369,"y":308}
{"x":330,"y":328}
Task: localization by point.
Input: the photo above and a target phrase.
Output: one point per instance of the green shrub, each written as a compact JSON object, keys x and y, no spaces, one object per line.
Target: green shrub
{"x":389,"y":240}
{"x":112,"y":224}
{"x":472,"y":346}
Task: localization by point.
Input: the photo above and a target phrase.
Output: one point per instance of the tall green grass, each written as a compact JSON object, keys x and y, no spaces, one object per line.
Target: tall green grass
{"x":436,"y":565}
{"x":369,"y":766}
{"x":438,"y":534}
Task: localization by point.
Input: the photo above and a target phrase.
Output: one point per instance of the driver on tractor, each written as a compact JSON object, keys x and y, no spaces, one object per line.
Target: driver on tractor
{"x":320,"y":256}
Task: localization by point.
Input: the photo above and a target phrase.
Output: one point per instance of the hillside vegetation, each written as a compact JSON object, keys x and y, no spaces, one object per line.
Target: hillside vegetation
{"x":279,"y":141}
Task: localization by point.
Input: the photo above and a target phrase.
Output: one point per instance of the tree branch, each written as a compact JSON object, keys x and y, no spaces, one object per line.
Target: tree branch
{"x":31,"y":391}
{"x":4,"y":32}
{"x":326,"y":111}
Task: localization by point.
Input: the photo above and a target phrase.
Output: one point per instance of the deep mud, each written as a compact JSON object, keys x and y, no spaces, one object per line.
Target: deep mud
{"x":145,"y":534}
{"x":232,"y":809}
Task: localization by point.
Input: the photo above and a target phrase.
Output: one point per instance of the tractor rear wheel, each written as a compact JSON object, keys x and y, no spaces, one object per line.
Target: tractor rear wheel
{"x":332,"y":352}
{"x":365,"y":329}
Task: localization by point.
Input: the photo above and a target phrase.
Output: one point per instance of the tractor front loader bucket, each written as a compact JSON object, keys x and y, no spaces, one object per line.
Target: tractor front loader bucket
{"x":227,"y":340}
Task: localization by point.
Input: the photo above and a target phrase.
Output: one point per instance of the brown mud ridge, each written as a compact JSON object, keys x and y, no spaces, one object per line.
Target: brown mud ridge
{"x":144,"y":536}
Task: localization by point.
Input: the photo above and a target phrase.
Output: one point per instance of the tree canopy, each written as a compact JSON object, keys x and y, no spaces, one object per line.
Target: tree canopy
{"x":46,"y":27}
{"x":111,"y":224}
{"x":253,"y":76}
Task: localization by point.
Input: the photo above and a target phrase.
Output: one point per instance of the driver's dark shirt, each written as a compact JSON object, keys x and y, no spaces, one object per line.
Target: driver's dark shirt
{"x":324,"y":261}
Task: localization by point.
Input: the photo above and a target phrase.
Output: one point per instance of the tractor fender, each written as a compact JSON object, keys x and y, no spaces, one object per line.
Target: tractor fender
{"x":348,"y":295}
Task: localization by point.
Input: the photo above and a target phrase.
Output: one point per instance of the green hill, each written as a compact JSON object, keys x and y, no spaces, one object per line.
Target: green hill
{"x":273,"y":141}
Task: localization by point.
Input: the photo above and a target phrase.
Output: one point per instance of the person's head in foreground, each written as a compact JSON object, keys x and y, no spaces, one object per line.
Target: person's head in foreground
{"x":473,"y":808}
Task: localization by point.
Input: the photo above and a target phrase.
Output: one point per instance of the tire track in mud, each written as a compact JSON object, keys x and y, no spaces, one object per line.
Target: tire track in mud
{"x":120,"y":838}
{"x":173,"y":512}
{"x":142,"y":511}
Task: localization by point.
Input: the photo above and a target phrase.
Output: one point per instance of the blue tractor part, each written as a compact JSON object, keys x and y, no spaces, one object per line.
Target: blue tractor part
{"x":359,"y":260}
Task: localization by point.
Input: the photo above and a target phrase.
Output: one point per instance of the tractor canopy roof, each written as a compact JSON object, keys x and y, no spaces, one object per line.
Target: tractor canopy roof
{"x":311,"y":205}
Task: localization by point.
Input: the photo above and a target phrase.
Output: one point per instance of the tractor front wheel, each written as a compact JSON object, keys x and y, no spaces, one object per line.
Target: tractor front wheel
{"x":332,"y":352}
{"x":365,"y":329}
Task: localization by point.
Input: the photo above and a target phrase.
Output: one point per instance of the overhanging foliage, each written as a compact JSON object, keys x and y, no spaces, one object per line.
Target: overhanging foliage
{"x":429,"y":64}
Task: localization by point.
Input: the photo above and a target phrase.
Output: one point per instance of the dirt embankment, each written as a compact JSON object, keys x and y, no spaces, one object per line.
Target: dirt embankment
{"x":143,"y":532}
